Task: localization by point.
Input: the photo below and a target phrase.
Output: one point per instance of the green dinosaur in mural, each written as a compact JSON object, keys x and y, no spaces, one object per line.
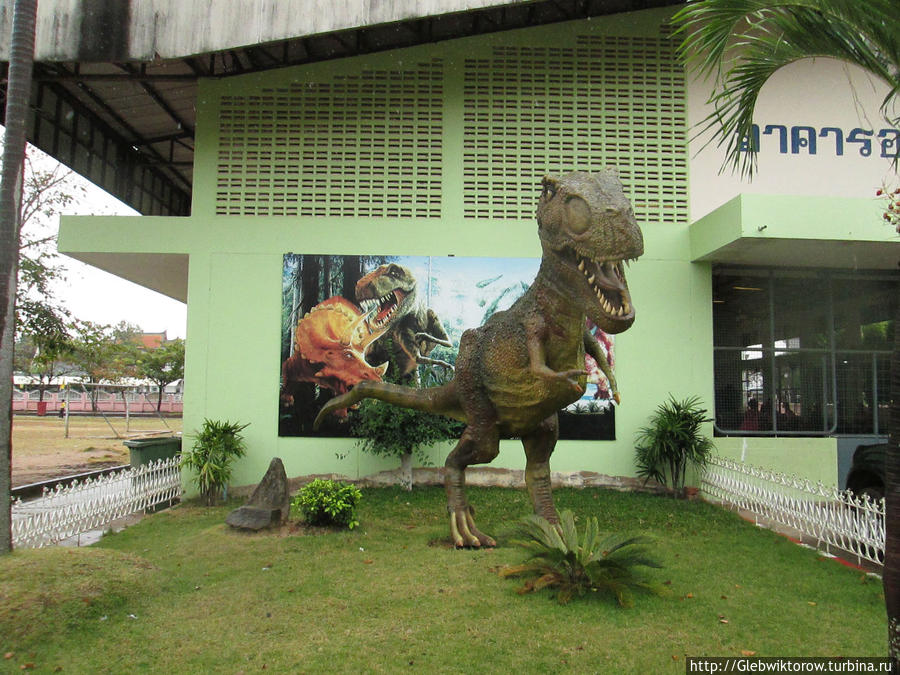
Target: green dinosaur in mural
{"x":518,"y":369}
{"x":389,"y":295}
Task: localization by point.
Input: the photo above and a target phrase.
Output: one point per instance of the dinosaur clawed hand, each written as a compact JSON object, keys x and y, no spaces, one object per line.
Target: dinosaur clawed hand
{"x":464,"y":533}
{"x":571,"y":377}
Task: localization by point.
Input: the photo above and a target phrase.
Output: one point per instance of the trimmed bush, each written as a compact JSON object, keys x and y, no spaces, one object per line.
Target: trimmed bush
{"x":329,"y":503}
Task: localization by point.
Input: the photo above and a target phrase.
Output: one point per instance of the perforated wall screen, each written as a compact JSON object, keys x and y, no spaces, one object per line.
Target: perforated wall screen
{"x":366,"y":145}
{"x":607,"y":101}
{"x":466,"y":134}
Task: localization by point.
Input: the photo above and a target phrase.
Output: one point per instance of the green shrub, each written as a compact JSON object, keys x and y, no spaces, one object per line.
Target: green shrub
{"x":328,"y":502}
{"x":672,"y":441}
{"x":215,"y":447}
{"x":391,"y":431}
{"x":576,"y":565}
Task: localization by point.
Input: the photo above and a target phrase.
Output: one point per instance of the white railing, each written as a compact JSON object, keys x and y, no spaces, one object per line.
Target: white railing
{"x":835,"y":519}
{"x":93,"y":504}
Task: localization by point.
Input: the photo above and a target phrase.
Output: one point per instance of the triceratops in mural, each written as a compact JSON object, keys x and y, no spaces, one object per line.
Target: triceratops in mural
{"x":518,"y":369}
{"x":330,"y":345}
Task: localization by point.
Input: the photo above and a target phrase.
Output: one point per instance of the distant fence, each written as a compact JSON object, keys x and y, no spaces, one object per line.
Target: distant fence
{"x":94,"y":503}
{"x":107,"y":402}
{"x":834,"y":518}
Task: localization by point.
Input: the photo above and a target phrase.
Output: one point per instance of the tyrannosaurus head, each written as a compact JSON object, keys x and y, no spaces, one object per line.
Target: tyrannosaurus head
{"x":588,"y":233}
{"x":385,"y":294}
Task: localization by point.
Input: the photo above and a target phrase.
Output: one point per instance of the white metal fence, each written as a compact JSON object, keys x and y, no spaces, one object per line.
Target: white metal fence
{"x":94,"y":504}
{"x":835,"y":519}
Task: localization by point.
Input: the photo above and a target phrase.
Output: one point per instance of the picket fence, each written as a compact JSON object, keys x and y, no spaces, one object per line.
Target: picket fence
{"x":94,"y":504}
{"x":837,"y":520}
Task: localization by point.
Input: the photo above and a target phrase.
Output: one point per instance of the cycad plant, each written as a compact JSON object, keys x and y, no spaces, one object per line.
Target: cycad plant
{"x":672,"y":442}
{"x":216,"y":446}
{"x":575,"y":565}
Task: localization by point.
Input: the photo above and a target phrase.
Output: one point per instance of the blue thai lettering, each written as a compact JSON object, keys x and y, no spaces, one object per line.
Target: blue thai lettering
{"x":838,"y":138}
{"x":799,"y":141}
{"x":861,"y":136}
{"x":890,"y":147}
{"x":782,"y":138}
{"x":751,"y":144}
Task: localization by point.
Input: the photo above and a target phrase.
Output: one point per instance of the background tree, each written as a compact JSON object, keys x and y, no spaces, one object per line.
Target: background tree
{"x":43,"y":358}
{"x":740,"y":44}
{"x":48,"y":188}
{"x":103,"y":353}
{"x":162,"y":365}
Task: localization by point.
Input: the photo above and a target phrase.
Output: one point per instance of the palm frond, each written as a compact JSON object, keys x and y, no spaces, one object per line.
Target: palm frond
{"x":740,"y":44}
{"x":574,"y":564}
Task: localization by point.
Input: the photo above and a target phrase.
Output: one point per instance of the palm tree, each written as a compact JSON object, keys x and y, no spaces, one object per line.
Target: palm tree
{"x":740,"y":44}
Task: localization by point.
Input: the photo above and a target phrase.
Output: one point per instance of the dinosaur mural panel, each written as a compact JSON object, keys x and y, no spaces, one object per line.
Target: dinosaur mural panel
{"x":524,"y":364}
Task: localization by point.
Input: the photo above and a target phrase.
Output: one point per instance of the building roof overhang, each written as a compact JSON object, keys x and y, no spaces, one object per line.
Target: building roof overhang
{"x":115,"y":86}
{"x":797,"y":231}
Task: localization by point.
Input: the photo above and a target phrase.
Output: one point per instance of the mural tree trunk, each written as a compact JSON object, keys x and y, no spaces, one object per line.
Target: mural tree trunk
{"x":352,"y":272}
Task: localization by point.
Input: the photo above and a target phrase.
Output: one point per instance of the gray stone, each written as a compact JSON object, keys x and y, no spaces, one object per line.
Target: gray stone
{"x":270,"y":503}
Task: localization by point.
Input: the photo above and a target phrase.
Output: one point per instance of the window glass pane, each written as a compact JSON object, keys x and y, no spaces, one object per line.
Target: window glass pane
{"x":802,"y":394}
{"x":864,"y":312}
{"x":741,"y":309}
{"x":855,"y":373}
{"x":801,"y":311}
{"x":779,"y":367}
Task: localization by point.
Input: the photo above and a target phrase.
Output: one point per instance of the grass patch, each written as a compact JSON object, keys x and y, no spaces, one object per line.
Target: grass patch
{"x":392,"y":595}
{"x":45,"y":591}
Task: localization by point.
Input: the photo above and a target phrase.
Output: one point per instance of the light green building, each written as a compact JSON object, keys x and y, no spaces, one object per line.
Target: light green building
{"x":433,"y":143}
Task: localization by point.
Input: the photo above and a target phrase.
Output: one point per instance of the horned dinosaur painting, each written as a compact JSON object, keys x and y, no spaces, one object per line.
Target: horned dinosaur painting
{"x":347,"y":319}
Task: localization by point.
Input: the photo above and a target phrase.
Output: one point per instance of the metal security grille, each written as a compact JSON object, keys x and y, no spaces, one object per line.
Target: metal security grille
{"x":367,"y":144}
{"x":802,"y":352}
{"x":605,"y":101}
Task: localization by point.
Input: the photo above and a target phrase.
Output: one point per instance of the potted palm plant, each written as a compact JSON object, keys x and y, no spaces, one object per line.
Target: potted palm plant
{"x":216,"y":445}
{"x":672,"y":442}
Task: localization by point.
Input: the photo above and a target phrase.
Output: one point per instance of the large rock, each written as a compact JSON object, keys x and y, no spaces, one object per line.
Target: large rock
{"x":269,"y":504}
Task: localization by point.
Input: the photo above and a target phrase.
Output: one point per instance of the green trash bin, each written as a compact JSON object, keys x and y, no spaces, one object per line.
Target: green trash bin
{"x":142,"y":451}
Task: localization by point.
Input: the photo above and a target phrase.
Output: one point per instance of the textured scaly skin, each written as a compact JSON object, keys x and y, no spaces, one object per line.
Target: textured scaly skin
{"x":524,"y":364}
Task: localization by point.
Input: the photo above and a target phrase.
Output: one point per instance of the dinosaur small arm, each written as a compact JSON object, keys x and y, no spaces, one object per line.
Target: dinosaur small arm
{"x":524,"y":364}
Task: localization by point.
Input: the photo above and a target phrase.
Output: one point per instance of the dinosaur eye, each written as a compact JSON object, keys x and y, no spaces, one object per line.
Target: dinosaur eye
{"x":579,"y":215}
{"x":549,"y":188}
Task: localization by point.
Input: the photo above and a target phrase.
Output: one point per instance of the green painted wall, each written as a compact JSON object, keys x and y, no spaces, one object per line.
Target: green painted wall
{"x":492,"y":147}
{"x":811,"y":458}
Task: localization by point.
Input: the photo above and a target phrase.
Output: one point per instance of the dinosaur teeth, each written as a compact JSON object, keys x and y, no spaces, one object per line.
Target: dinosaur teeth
{"x":581,"y":264}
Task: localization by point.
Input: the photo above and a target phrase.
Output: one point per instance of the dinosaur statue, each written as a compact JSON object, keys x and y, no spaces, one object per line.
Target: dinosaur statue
{"x":518,"y":369}
{"x":330,"y":343}
{"x":388,"y":294}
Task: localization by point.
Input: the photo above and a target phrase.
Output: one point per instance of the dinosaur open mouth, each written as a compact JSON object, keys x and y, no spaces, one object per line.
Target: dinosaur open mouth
{"x":607,"y":281}
{"x":384,"y":307}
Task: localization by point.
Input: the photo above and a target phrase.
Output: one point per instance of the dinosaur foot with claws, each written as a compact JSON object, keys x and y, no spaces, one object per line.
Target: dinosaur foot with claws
{"x":464,"y":533}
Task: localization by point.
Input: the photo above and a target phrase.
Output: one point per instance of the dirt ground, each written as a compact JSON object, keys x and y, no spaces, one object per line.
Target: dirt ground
{"x":42,"y":452}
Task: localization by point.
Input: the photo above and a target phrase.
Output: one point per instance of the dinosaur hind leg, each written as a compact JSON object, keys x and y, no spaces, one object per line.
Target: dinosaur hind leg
{"x":477,"y":445}
{"x":539,"y":445}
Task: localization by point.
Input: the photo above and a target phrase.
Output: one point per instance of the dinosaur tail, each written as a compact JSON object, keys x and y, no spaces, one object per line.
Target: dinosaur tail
{"x":439,"y":400}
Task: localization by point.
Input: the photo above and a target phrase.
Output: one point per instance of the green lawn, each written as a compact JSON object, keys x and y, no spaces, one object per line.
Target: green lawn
{"x":181,"y":593}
